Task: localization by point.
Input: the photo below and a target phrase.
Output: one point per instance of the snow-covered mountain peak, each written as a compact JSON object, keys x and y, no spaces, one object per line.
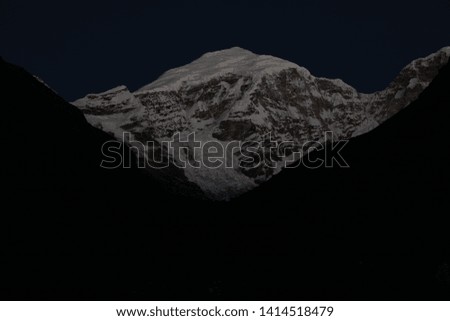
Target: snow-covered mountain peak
{"x":117,"y":99}
{"x":115,"y":90}
{"x":234,"y":95}
{"x":235,"y":61}
{"x":234,"y":51}
{"x":446,"y":50}
{"x":443,"y":51}
{"x":439,"y":57}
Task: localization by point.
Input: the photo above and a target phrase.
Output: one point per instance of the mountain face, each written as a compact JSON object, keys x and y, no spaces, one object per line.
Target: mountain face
{"x":237,"y":96}
{"x":382,"y":220}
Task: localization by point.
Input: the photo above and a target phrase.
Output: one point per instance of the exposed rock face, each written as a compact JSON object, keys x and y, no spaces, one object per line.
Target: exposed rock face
{"x":235,"y":95}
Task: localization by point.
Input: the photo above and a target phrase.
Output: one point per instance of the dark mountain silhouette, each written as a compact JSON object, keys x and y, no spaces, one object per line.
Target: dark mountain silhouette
{"x":57,"y":200}
{"x":75,"y":231}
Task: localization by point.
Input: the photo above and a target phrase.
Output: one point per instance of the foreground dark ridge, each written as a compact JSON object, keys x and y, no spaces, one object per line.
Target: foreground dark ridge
{"x":72,"y":231}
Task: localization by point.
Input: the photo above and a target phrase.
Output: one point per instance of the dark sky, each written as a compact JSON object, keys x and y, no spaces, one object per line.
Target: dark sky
{"x":91,"y":46}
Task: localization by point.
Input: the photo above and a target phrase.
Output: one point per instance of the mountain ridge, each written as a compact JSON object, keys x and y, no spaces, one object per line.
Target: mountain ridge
{"x":236,"y":95}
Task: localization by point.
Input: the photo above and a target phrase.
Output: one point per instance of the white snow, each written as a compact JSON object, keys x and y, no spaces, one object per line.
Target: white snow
{"x":44,"y":83}
{"x":400,"y":94}
{"x":235,"y":61}
{"x":413,"y":83}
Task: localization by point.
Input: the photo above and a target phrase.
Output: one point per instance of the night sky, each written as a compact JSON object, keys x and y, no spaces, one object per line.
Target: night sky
{"x":92,"y":46}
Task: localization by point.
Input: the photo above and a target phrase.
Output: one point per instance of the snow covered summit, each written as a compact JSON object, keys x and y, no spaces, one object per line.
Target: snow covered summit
{"x":236,"y":95}
{"x":216,"y":64}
